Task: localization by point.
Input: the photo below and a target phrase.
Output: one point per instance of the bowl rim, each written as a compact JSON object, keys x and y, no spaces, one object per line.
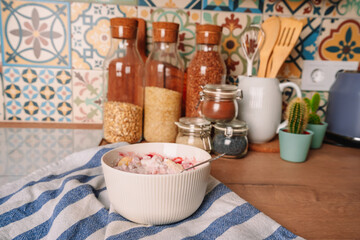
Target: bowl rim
{"x":104,"y":164}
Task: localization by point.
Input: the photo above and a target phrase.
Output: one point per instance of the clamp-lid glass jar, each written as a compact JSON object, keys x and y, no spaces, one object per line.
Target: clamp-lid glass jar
{"x":123,"y":84}
{"x":231,"y":139}
{"x":194,"y":131}
{"x":164,"y":75}
{"x":219,"y":102}
{"x":206,"y":67}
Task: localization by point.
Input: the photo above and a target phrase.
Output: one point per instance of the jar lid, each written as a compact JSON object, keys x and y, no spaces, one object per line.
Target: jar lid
{"x":236,"y":125}
{"x":222,"y":91}
{"x":208,"y":34}
{"x":123,"y":27}
{"x":194,"y":124}
{"x":165,"y":32}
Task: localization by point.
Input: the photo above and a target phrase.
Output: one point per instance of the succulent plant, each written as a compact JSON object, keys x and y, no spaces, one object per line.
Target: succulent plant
{"x":313,"y":106}
{"x":297,"y":115}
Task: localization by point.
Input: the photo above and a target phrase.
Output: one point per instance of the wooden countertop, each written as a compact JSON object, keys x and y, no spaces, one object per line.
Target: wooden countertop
{"x":317,"y":199}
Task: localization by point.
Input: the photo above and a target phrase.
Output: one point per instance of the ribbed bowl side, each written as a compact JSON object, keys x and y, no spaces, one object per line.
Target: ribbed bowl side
{"x":160,"y":199}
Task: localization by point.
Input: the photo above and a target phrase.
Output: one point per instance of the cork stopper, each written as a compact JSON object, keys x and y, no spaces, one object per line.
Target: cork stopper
{"x":123,"y":28}
{"x":165,"y":32}
{"x":208,"y":34}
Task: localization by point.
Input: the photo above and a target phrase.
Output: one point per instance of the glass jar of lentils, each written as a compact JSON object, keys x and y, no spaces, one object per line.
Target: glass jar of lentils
{"x":195,"y":132}
{"x":207,"y":66}
{"x":123,"y":84}
{"x":231,"y":139}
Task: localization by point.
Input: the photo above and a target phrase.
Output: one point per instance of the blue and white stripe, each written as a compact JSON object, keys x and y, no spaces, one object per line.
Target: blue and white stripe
{"x":68,"y":200}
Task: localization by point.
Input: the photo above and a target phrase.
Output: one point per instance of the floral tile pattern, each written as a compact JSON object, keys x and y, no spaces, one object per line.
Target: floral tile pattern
{"x":249,"y":6}
{"x":304,"y":49}
{"x":233,"y":25}
{"x":184,"y":4}
{"x":186,"y":20}
{"x":90,"y":31}
{"x":86,"y":138}
{"x":36,"y":34}
{"x":34,"y":94}
{"x":288,"y":7}
{"x":2,"y":97}
{"x":336,"y":8}
{"x":87,"y":92}
{"x":339,"y":40}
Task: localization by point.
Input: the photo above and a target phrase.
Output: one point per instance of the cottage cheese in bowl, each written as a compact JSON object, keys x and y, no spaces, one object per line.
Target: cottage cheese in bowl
{"x":145,"y":185}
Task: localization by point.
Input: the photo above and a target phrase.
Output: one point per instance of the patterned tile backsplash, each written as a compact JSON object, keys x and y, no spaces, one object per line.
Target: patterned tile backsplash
{"x":52,"y":51}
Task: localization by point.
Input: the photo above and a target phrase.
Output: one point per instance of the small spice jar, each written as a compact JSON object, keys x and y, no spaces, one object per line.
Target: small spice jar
{"x":123,"y":84}
{"x":219,"y":102}
{"x":231,"y":139}
{"x":195,"y":132}
{"x":164,"y":76}
{"x":206,"y":67}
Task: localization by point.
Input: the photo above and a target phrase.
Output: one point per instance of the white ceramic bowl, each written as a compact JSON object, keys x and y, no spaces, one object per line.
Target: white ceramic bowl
{"x":156,"y":199}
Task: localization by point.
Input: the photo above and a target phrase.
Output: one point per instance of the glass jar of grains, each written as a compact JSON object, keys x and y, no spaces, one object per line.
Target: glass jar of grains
{"x":218,"y":102}
{"x":207,"y":66}
{"x":195,"y":132}
{"x":123,"y":84}
{"x":231,"y":139}
{"x":164,"y":74}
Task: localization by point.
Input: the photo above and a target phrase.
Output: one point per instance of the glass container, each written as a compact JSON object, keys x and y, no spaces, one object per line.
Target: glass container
{"x":195,"y":132}
{"x":164,"y":74}
{"x":123,"y":84}
{"x":207,"y":66}
{"x":219,"y":102}
{"x":231,"y":139}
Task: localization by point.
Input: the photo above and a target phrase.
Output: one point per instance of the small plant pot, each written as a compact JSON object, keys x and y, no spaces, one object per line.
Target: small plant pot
{"x":319,"y":133}
{"x":294,"y":147}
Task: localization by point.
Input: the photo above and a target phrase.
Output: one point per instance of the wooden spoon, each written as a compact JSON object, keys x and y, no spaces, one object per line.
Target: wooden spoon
{"x":289,"y":33}
{"x":271,"y":28}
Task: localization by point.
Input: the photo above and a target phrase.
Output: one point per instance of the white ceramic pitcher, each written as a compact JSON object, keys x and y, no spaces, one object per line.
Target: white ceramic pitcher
{"x":261,"y":106}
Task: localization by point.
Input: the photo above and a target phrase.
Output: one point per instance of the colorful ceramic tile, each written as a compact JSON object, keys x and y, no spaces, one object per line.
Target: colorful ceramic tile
{"x":249,"y":6}
{"x":186,"y":20}
{"x":85,"y":138}
{"x":36,"y":94}
{"x":36,"y":33}
{"x":233,"y":25}
{"x":90,"y":29}
{"x":289,"y":7}
{"x":339,"y":40}
{"x":120,"y":2}
{"x":2,"y":97}
{"x":336,"y":8}
{"x":185,"y":4}
{"x":304,"y":49}
{"x":88,"y":95}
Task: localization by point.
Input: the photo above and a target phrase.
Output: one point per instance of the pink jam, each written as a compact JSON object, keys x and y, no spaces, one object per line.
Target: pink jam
{"x":152,"y":163}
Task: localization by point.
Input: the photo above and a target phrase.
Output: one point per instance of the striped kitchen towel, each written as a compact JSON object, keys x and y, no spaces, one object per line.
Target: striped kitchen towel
{"x":68,"y":200}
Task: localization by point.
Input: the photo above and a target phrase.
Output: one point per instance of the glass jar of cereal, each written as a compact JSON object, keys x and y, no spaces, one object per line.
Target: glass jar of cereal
{"x":123,"y":84}
{"x":164,"y":74}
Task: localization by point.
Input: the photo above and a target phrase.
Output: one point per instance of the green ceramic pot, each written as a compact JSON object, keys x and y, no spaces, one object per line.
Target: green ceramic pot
{"x":294,"y":147}
{"x":319,"y":133}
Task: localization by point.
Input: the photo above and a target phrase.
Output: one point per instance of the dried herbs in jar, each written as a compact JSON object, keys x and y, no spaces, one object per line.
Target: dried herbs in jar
{"x":207,"y":66}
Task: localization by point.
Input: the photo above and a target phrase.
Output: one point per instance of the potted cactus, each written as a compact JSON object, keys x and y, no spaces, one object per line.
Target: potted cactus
{"x":294,"y":139}
{"x":314,"y":123}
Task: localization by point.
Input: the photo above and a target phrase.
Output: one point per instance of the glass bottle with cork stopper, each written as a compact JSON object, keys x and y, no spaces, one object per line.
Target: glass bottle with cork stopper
{"x":164,"y":74}
{"x":123,"y":84}
{"x":207,"y":66}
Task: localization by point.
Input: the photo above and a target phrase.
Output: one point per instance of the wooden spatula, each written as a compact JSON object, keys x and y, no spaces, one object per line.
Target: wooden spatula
{"x":271,"y":28}
{"x":289,"y":33}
